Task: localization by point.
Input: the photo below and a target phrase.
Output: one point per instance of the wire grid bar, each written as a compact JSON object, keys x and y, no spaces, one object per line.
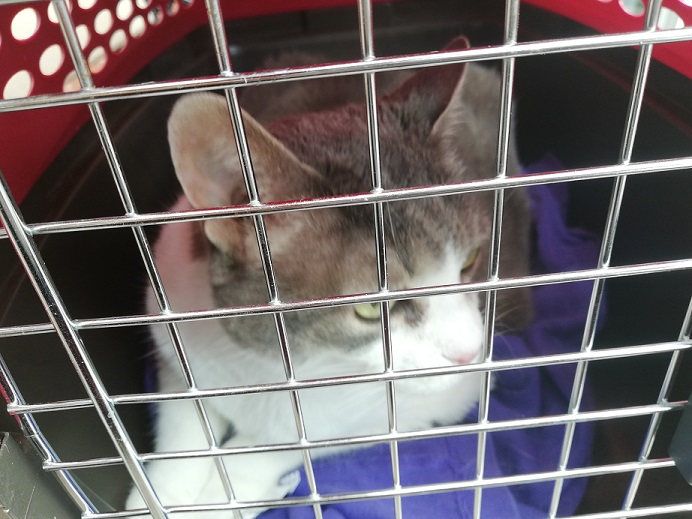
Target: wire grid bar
{"x":652,"y":511}
{"x":223,"y":59}
{"x":347,"y":200}
{"x":242,"y":147}
{"x":392,"y":295}
{"x":503,"y":143}
{"x":54,"y":306}
{"x":177,"y":87}
{"x":134,"y":220}
{"x":438,"y":432}
{"x":548,"y":360}
{"x":60,"y":318}
{"x":663,"y":395}
{"x":32,"y":431}
{"x":86,"y":82}
{"x":368,"y":53}
{"x":427,"y":489}
{"x":629,"y":134}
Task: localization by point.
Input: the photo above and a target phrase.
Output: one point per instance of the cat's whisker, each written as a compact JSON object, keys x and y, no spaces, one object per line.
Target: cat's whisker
{"x":398,"y":245}
{"x":500,"y":324}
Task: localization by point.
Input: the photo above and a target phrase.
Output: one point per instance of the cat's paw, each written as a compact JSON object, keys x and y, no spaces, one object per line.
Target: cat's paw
{"x":250,"y":483}
{"x":253,"y":477}
{"x":135,"y":501}
{"x":255,"y":487}
{"x":178,"y":483}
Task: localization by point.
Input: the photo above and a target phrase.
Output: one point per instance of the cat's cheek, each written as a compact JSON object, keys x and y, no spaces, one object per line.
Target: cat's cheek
{"x":451,"y":334}
{"x":436,"y":400}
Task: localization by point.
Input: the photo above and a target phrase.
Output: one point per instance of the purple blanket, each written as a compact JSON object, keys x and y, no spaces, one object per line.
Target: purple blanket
{"x":560,"y":315}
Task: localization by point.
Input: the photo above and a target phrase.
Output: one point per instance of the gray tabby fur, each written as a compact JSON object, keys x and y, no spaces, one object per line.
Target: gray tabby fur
{"x":309,"y":139}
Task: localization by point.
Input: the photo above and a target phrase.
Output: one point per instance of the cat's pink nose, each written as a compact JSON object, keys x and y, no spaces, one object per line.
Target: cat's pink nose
{"x":464,"y":358}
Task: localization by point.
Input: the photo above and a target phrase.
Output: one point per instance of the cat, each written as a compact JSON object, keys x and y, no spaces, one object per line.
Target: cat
{"x":437,"y":125}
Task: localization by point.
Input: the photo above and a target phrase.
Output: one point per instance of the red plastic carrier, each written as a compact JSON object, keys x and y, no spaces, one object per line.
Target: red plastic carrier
{"x":119,"y":37}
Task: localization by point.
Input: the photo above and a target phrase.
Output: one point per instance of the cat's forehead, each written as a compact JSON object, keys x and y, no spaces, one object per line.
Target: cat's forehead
{"x":335,"y":143}
{"x":419,"y":232}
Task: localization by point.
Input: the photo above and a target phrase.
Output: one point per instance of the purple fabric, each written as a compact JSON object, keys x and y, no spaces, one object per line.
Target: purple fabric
{"x":560,"y":315}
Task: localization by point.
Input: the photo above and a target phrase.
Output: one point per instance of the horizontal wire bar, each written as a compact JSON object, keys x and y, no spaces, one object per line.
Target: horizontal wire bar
{"x":494,"y":365}
{"x":26,"y":329}
{"x":649,"y":511}
{"x":438,"y":432}
{"x":434,"y":488}
{"x":13,"y":2}
{"x":390,"y":295}
{"x":385,"y":195}
{"x":181,"y":86}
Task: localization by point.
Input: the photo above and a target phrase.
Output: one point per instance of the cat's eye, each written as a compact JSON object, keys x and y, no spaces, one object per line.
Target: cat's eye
{"x":471,"y":259}
{"x":370,"y":311}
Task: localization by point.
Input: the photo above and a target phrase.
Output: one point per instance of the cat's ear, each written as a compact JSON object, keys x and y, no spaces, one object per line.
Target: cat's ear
{"x":429,"y":91}
{"x":206,"y":162}
{"x":467,"y":131}
{"x":461,"y":106}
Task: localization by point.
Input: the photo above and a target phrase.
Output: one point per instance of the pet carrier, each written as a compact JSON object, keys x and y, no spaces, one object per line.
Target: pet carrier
{"x":600,"y":96}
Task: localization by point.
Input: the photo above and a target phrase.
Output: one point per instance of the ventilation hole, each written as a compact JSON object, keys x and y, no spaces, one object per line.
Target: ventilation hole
{"x":86,"y":4}
{"x":103,"y":22}
{"x":124,"y":9}
{"x":143,"y":4}
{"x":172,"y":7}
{"x":83,"y":35}
{"x":187,"y":3}
{"x":669,"y":19}
{"x":19,"y":85}
{"x":52,"y":15}
{"x":51,"y":60}
{"x":137,"y":26}
{"x":25,"y":24}
{"x":71,"y":83}
{"x":118,"y":41}
{"x":97,"y":60}
{"x":633,"y":7}
{"x":155,"y":16}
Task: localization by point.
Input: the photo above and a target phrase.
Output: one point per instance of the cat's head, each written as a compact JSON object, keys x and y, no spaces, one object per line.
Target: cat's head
{"x":440,"y":126}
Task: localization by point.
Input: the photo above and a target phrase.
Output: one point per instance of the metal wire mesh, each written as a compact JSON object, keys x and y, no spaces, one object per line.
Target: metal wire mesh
{"x":23,"y":237}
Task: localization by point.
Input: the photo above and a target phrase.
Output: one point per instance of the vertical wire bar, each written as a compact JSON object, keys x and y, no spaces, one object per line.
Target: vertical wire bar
{"x":218,"y":34}
{"x":647,"y":445}
{"x":27,"y":250}
{"x":629,"y":134}
{"x":86,"y":82}
{"x":242,"y":147}
{"x":32,"y":431}
{"x":686,"y":330}
{"x":368,"y":53}
{"x":510,"y":38}
{"x":108,"y":412}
